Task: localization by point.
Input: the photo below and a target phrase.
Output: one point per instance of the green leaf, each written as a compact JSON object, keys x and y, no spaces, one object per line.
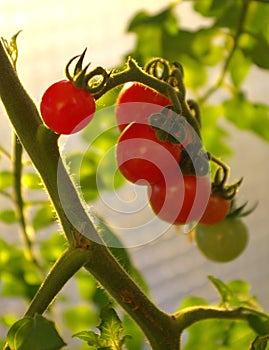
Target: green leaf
{"x":110,"y":328}
{"x":195,"y":74}
{"x":192,"y":301}
{"x":214,"y":136}
{"x":230,"y":15}
{"x":89,"y":336}
{"x":31,"y":181}
{"x":6,"y":179}
{"x":206,"y":46}
{"x":136,"y":335}
{"x":248,"y":116}
{"x":209,"y":8}
{"x":260,"y":53}
{"x":259,"y":343}
{"x":226,"y":294}
{"x":224,"y":13}
{"x":43,"y":217}
{"x":8,"y":216}
{"x":34,"y":333}
{"x":20,"y":276}
{"x":165,"y":18}
{"x":239,"y":67}
{"x":158,"y":26}
{"x":218,"y":335}
{"x":52,"y":247}
{"x":79,"y":317}
{"x":259,"y":323}
{"x":257,"y":19}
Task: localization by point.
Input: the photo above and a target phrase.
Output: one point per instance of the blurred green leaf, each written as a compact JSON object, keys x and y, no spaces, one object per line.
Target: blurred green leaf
{"x":259,"y":324}
{"x":248,"y":116}
{"x":32,"y":181}
{"x":230,"y":15}
{"x":6,"y":179}
{"x":190,"y":301}
{"x":43,"y":217}
{"x":239,"y":67}
{"x":79,"y":317}
{"x":218,"y":334}
{"x":214,"y":136}
{"x":137,"y":337}
{"x":146,"y":27}
{"x":87,"y":285}
{"x":195,"y":74}
{"x":8,"y":216}
{"x":257,"y":19}
{"x":210,"y":8}
{"x":34,"y":333}
{"x":260,"y":52}
{"x":166,"y":19}
{"x":20,"y":277}
{"x":208,"y":46}
{"x":52,"y":247}
{"x":83,"y":169}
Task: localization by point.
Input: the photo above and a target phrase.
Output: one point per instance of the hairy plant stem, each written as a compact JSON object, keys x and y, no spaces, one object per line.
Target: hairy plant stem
{"x":64,"y":268}
{"x":42,"y":147}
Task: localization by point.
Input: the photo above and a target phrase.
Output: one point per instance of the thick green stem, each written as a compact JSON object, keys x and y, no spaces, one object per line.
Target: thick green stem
{"x":189,"y":316}
{"x":64,"y":268}
{"x":41,"y":145}
{"x":159,"y":327}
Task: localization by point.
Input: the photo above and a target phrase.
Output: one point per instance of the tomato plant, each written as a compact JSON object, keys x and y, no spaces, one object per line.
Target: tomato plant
{"x":143,"y":158}
{"x":65,"y":108}
{"x":136,"y":102}
{"x":224,"y":241}
{"x":180,"y":199}
{"x":216,"y":210}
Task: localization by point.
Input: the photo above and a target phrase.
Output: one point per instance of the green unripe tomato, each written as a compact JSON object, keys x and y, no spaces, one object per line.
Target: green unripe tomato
{"x":222,"y":242}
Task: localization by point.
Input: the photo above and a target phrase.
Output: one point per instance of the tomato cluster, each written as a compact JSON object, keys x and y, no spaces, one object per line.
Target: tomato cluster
{"x":146,"y":156}
{"x":159,"y":148}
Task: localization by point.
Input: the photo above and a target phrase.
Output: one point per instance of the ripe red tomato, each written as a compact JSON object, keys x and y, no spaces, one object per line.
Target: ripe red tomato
{"x":216,"y":210}
{"x":222,"y":242}
{"x":143,"y":158}
{"x":65,"y":108}
{"x":136,"y":102}
{"x":180,"y":199}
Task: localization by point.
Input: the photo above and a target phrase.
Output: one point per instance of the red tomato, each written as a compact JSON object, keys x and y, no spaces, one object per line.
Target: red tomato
{"x":65,"y":108}
{"x":143,"y":158}
{"x":136,"y":102}
{"x":216,"y":210}
{"x":181,"y":198}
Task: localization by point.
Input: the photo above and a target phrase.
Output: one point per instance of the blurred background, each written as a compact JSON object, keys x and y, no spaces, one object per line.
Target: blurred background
{"x":52,"y":33}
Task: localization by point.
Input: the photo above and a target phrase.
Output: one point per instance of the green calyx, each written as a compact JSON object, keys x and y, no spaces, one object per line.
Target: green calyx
{"x":93,"y":81}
